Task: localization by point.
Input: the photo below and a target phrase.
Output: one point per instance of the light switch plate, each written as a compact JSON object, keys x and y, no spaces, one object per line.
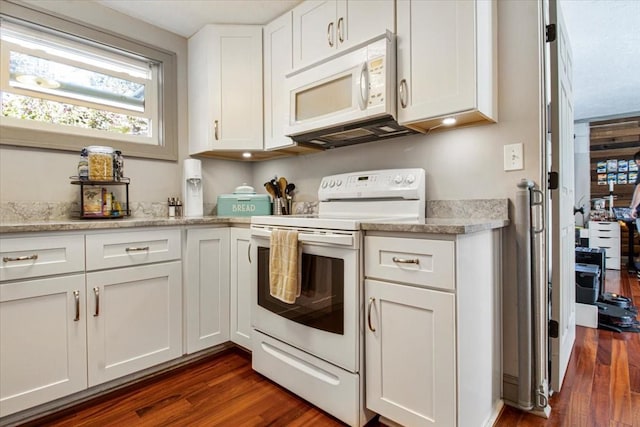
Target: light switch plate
{"x":513,"y":157}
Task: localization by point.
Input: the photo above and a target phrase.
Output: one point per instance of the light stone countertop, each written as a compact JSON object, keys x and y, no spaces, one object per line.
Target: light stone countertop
{"x":430,"y":225}
{"x":443,"y":217}
{"x":123,"y":223}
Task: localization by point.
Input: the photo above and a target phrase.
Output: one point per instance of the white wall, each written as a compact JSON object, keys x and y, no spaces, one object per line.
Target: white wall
{"x":43,"y":175}
{"x":464,"y":163}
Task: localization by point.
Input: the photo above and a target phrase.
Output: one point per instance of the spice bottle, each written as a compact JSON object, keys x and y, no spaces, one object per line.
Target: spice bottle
{"x":118,"y":165}
{"x":83,"y":165}
{"x":172,"y":207}
{"x":178,"y":208}
{"x":106,"y":202}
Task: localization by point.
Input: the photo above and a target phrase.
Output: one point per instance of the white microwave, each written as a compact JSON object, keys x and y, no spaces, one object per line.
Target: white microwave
{"x":348,"y":99}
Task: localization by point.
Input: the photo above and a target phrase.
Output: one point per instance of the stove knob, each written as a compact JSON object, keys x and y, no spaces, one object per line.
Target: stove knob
{"x":339,"y":183}
{"x":410,"y":179}
{"x":332,"y":183}
{"x":398,"y":179}
{"x":324,"y":184}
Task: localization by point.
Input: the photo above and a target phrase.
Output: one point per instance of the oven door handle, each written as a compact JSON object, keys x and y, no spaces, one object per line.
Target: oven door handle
{"x":332,"y":239}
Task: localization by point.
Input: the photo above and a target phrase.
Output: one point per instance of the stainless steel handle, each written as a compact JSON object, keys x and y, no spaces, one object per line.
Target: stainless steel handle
{"x":402,"y":92}
{"x":340,"y":28}
{"x":249,"y":253}
{"x":76,"y":296}
{"x":138,"y":249}
{"x":371,"y":301}
{"x":539,"y":203}
{"x":96,"y":292}
{"x":330,"y":34}
{"x":406,"y":261}
{"x":364,"y":86}
{"x":20,"y":258}
{"x":215,"y":129}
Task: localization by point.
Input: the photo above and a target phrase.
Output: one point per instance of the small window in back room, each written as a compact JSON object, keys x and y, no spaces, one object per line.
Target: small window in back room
{"x":65,"y":86}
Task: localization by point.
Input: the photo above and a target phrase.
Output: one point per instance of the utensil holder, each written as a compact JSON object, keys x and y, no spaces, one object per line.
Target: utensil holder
{"x":282,"y":206}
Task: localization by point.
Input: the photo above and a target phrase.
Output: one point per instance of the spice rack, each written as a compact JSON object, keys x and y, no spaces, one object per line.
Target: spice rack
{"x":125,"y":210}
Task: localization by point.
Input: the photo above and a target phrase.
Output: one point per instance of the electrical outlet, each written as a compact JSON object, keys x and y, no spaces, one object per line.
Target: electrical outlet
{"x":513,"y":157}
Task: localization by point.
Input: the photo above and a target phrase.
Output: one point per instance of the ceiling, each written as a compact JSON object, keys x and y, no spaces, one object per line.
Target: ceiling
{"x":605,"y":39}
{"x":604,"y":36}
{"x":185,"y":17}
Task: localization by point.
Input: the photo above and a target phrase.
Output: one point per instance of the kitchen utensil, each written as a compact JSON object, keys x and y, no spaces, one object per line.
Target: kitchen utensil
{"x":290,"y":187}
{"x":269,"y":187}
{"x":276,"y":188}
{"x":282,"y":185}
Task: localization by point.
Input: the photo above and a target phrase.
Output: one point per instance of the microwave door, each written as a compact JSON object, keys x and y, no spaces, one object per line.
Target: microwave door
{"x":333,"y":93}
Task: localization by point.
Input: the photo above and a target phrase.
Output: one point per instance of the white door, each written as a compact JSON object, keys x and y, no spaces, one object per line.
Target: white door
{"x":207,"y":287}
{"x":314,"y":31}
{"x":410,"y":354}
{"x":240,"y":285}
{"x":42,"y":341}
{"x":361,"y":20}
{"x":278,"y":61}
{"x":436,"y":58}
{"x":562,"y":251}
{"x":134,"y":319}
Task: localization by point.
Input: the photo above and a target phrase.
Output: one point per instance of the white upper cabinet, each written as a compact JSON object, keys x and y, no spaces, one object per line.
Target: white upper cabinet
{"x":278,"y":61}
{"x":225,"y":89}
{"x":321,"y":28}
{"x":446,"y":62}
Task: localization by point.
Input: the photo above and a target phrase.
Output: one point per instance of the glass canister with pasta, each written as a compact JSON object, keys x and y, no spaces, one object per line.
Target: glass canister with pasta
{"x":100,"y":163}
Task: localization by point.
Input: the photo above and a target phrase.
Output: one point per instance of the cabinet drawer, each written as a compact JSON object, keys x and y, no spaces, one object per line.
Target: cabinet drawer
{"x":26,"y":257}
{"x":604,"y":228}
{"x":111,"y":250}
{"x":428,"y":263}
{"x":605,"y":242}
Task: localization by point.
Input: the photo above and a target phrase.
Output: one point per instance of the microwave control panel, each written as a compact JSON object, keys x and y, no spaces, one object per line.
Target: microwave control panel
{"x":376,"y":70}
{"x":388,"y":183}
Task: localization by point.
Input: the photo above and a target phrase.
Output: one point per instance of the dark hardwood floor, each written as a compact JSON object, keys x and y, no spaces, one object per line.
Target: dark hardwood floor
{"x":601,"y":388}
{"x":602,"y":383}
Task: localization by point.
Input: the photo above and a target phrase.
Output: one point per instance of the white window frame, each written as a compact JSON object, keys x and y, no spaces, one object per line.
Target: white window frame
{"x":162,"y":111}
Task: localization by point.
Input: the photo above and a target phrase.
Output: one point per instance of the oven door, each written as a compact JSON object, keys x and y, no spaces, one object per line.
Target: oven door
{"x":323,"y":321}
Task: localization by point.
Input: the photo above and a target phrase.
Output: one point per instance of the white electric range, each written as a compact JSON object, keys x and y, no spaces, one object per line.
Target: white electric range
{"x":314,"y":347}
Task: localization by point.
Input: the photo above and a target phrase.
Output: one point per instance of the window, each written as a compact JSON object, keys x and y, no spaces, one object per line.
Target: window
{"x":61,"y":81}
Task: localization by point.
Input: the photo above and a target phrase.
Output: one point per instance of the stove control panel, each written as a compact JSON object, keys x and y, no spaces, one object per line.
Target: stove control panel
{"x":408,"y":184}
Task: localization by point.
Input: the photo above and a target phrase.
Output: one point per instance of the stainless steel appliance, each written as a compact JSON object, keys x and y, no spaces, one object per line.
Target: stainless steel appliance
{"x":314,"y":347}
{"x":348,"y":99}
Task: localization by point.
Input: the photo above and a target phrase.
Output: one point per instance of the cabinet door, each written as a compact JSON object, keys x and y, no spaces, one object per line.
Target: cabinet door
{"x":43,"y":341}
{"x":361,"y":20}
{"x":278,"y":61}
{"x":241,"y":287}
{"x":410,"y":354}
{"x":436,"y":58}
{"x":314,"y":31}
{"x":134,"y":319}
{"x":207,"y":287}
{"x":225,"y":88}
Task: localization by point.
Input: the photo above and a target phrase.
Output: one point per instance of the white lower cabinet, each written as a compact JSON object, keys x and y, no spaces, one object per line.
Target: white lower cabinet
{"x":134,"y":319}
{"x":410,"y":351}
{"x":432,"y":328}
{"x":42,"y":341}
{"x":206,"y":287}
{"x":240,"y":287}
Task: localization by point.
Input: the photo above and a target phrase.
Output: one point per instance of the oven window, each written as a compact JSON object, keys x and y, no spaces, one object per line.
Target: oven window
{"x":321,"y":301}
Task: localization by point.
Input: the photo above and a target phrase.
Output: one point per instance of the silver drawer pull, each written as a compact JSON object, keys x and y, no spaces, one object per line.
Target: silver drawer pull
{"x":406,"y":261}
{"x":142,"y":248}
{"x":76,"y":296}
{"x":20,"y":258}
{"x":371,"y":302}
{"x":96,"y":292}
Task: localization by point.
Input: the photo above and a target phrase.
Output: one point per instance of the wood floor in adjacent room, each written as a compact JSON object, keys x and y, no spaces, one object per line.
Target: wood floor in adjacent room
{"x":602,"y":383}
{"x":601,"y":388}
